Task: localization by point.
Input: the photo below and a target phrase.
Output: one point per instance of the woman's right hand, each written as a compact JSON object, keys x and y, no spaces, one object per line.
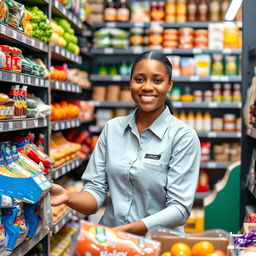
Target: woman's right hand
{"x":59,"y":195}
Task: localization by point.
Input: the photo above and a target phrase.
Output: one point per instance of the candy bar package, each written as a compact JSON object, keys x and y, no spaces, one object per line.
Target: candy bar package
{"x":98,"y":240}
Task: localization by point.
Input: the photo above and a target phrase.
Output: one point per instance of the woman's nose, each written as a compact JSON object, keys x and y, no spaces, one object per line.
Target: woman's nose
{"x":147,"y":86}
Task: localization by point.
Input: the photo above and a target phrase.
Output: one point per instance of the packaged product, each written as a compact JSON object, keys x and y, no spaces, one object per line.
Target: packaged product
{"x":15,"y":225}
{"x":4,"y":11}
{"x":16,"y":13}
{"x":175,"y":61}
{"x":203,"y":65}
{"x":100,"y":240}
{"x":217,"y":65}
{"x":3,"y":236}
{"x":140,"y":11}
{"x":215,"y":36}
{"x":187,"y":66}
{"x":2,"y":59}
{"x":231,"y":65}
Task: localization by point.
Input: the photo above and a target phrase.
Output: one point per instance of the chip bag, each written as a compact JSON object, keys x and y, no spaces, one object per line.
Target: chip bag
{"x":98,"y":240}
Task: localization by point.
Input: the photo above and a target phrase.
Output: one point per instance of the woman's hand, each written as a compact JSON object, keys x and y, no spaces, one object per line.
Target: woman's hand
{"x":59,"y":195}
{"x":137,"y":228}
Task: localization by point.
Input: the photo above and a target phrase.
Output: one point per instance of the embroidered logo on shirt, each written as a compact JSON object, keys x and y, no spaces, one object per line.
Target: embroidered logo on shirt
{"x":152,"y":156}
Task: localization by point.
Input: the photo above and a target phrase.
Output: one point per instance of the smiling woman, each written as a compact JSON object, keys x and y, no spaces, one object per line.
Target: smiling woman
{"x":148,"y":161}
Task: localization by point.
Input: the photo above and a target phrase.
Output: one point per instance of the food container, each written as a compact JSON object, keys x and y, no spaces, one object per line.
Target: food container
{"x":155,"y":37}
{"x":208,"y":96}
{"x":136,"y":38}
{"x":217,"y":124}
{"x":16,"y":59}
{"x":8,"y":59}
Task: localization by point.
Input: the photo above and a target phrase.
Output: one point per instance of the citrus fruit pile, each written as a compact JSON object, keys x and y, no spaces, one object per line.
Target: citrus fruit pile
{"x":203,"y":248}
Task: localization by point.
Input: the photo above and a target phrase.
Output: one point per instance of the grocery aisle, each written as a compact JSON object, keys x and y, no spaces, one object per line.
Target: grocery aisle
{"x":65,"y":71}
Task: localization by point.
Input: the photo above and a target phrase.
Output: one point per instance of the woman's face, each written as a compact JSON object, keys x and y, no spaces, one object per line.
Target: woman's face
{"x":149,"y":85}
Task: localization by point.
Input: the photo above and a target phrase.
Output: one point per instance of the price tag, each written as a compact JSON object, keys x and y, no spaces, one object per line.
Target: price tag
{"x":212,"y":104}
{"x":158,"y":24}
{"x":137,"y":50}
{"x":109,"y":51}
{"x":41,"y":82}
{"x":177,"y":104}
{"x":14,"y":34}
{"x":69,"y":88}
{"x":111,"y":24}
{"x":78,"y":89}
{"x":45,"y":122}
{"x":211,"y":134}
{"x":73,"y":123}
{"x":36,"y":81}
{"x":64,"y":11}
{"x":24,"y":124}
{"x":224,"y":78}
{"x":62,"y":52}
{"x":1,"y":126}
{"x":56,"y":126}
{"x":29,"y":80}
{"x":211,"y":165}
{"x":194,"y":78}
{"x":63,"y":87}
{"x":227,"y":51}
{"x":77,"y":163}
{"x":22,"y":79}
{"x":36,"y":123}
{"x":73,"y":88}
{"x":10,"y":126}
{"x":72,"y":165}
{"x":68,"y":167}
{"x":24,"y":39}
{"x":215,"y":78}
{"x":75,"y":20}
{"x":138,"y":25}
{"x":197,"y":51}
{"x":3,"y":29}
{"x":33,"y":42}
{"x":57,"y":85}
{"x":167,"y":51}
{"x":1,"y":75}
{"x":116,"y":78}
{"x":62,"y":125}
{"x":238,"y":134}
{"x":68,"y":55}
{"x":68,"y":124}
{"x":41,"y":45}
{"x":64,"y":169}
{"x":239,"y":105}
{"x":13,"y":78}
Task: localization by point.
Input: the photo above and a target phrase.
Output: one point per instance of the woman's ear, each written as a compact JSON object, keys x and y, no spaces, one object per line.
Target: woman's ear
{"x":170,"y":84}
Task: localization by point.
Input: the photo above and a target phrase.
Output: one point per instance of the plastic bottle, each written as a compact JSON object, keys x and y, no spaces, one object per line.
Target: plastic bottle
{"x":183,"y":117}
{"x":191,"y":10}
{"x":40,"y":142}
{"x":217,"y":94}
{"x":181,"y":11}
{"x":237,"y":97}
{"x":110,"y":11}
{"x":170,"y":11}
{"x":214,"y":10}
{"x":199,"y":121}
{"x":224,"y":8}
{"x":191,"y":119}
{"x":203,"y":10}
{"x":207,"y":122}
{"x":123,"y":11}
{"x":227,"y":93}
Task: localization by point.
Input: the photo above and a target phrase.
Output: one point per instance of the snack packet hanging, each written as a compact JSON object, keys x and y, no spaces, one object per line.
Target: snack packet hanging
{"x":98,"y":240}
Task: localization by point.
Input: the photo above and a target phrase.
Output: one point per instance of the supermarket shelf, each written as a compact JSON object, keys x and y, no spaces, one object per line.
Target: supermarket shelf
{"x":220,"y":135}
{"x":65,"y":168}
{"x":65,"y":124}
{"x":119,"y":78}
{"x":61,"y":54}
{"x":215,"y":165}
{"x":22,"y":124}
{"x":112,"y":104}
{"x":19,"y":37}
{"x":60,"y":10}
{"x":251,"y":132}
{"x":56,"y":227}
{"x":218,"y":105}
{"x":201,"y":195}
{"x":65,"y":86}
{"x":20,"y":78}
{"x":28,"y":244}
{"x":164,"y":24}
{"x":164,"y":51}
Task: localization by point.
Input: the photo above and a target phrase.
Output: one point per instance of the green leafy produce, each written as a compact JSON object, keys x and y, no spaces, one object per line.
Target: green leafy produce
{"x":42,"y":29}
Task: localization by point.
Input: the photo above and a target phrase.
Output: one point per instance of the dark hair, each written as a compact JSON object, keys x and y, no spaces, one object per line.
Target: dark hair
{"x":154,"y":55}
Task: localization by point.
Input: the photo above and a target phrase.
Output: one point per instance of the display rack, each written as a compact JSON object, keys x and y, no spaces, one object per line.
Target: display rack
{"x":56,"y":227}
{"x":66,"y":87}
{"x":248,"y":136}
{"x":65,"y":124}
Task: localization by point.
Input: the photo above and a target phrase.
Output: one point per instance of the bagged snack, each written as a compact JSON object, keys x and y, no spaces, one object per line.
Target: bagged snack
{"x":98,"y":240}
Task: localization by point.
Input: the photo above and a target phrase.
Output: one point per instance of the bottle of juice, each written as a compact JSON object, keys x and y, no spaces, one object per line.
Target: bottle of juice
{"x":170,"y":11}
{"x":110,"y":11}
{"x":181,"y":11}
{"x":203,"y":11}
{"x":191,"y":10}
{"x":123,"y":11}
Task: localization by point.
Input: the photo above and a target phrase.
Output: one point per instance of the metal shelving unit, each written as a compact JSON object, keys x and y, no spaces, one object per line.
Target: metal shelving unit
{"x":215,"y":165}
{"x":219,"y":135}
{"x":56,"y":227}
{"x":210,"y":79}
{"x":65,"y":86}
{"x":65,"y":124}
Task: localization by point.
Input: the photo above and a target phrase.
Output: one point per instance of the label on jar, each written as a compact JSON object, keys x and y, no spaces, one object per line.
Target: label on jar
{"x":229,"y":127}
{"x":122,"y":14}
{"x":110,"y":14}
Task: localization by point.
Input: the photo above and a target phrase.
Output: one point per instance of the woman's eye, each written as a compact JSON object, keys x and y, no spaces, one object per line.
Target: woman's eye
{"x":139,"y":80}
{"x":158,"y":81}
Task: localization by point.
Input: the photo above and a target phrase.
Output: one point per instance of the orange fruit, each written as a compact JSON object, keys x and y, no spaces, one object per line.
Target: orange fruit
{"x":202,"y":248}
{"x":166,"y":254}
{"x":217,"y":253}
{"x":180,"y":249}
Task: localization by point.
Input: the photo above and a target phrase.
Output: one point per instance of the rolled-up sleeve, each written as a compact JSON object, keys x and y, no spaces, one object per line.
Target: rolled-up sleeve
{"x":181,"y":184}
{"x":95,"y":177}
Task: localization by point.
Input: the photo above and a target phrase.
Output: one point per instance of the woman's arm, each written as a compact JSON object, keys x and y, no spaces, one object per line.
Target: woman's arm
{"x":137,"y":228}
{"x":83,"y":201}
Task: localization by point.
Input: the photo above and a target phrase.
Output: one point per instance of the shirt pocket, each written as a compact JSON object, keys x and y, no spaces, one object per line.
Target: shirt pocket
{"x":153,"y":177}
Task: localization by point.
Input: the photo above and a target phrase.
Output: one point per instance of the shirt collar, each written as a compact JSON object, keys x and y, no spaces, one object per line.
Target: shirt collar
{"x":158,"y":127}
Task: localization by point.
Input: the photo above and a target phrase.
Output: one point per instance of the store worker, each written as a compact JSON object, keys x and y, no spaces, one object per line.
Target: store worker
{"x":148,"y":161}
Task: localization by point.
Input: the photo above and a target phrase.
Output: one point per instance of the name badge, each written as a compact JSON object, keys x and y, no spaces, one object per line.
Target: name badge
{"x":152,"y":156}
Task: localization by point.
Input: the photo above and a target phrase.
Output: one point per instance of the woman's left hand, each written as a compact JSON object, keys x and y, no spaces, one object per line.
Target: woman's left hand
{"x":137,"y":228}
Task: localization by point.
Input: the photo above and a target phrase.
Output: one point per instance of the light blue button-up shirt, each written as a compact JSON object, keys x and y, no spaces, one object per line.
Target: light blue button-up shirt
{"x":151,"y":177}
